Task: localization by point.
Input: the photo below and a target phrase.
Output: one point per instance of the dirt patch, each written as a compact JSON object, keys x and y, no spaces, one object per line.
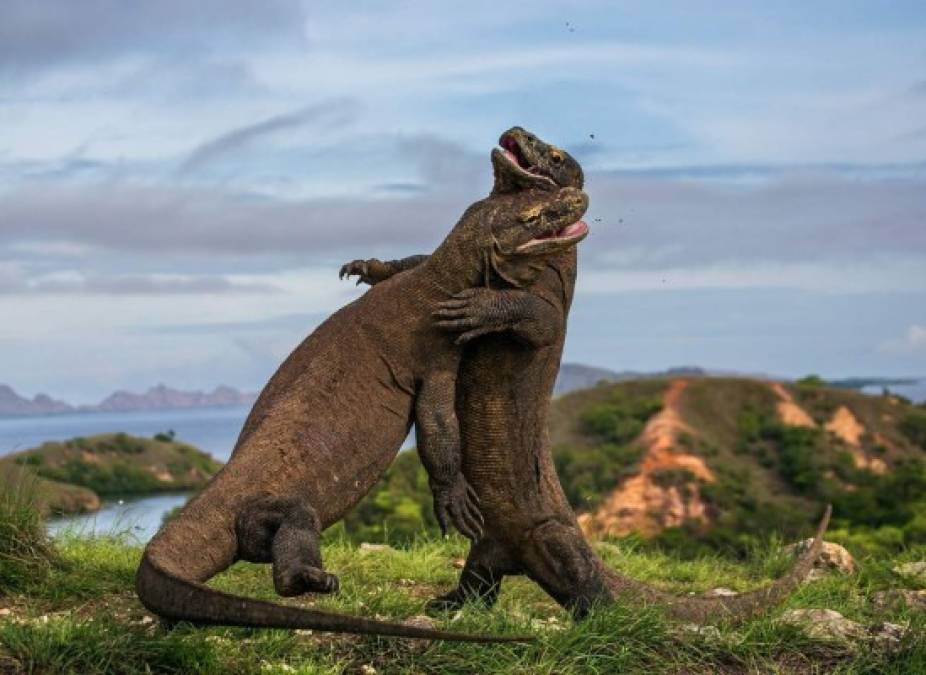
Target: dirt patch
{"x":789,"y":412}
{"x":846,"y":427}
{"x":644,"y":503}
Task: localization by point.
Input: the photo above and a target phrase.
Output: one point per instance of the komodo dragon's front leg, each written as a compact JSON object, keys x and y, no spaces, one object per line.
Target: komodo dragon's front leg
{"x":438,"y":437}
{"x":532,"y":318}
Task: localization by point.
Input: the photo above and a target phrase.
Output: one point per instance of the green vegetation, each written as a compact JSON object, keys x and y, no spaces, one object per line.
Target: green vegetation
{"x":26,"y":554}
{"x":913,"y":426}
{"x":82,"y":617}
{"x":399,"y":508}
{"x":72,"y":475}
{"x":811,"y":382}
{"x":619,"y":418}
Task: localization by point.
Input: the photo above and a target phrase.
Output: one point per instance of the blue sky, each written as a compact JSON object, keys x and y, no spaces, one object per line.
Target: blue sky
{"x":179,"y":182}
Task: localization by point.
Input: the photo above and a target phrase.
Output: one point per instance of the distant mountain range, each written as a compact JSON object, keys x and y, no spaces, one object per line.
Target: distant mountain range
{"x":160,"y":397}
{"x":572,"y":377}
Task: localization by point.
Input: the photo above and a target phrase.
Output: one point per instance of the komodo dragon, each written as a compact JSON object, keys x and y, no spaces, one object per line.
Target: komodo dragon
{"x":329,"y":423}
{"x":503,"y":393}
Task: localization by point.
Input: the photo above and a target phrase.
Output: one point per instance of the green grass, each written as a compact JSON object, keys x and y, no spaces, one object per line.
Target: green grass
{"x":82,"y":617}
{"x":26,"y":554}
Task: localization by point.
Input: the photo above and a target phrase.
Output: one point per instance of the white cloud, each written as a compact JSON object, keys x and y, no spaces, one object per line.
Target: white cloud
{"x":913,"y":342}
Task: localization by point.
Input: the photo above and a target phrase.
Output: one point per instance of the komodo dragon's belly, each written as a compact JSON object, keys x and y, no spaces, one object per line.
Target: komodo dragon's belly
{"x":503,"y":397}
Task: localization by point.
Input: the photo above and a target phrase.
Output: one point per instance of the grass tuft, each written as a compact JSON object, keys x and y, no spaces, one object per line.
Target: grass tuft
{"x":26,"y":553}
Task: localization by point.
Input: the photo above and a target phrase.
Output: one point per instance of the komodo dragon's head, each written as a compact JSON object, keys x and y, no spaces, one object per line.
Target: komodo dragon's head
{"x":518,"y":232}
{"x":532,"y":214}
{"x":546,"y":225}
{"x":523,"y":161}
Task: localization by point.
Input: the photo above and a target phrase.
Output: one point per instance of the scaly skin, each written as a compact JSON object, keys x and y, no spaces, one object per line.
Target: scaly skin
{"x":503,"y":393}
{"x":328,"y":424}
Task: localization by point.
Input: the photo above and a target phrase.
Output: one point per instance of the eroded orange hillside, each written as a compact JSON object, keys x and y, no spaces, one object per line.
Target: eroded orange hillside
{"x":732,"y":433}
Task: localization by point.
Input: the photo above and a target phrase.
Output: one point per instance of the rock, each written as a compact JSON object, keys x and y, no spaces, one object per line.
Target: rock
{"x":887,"y":635}
{"x":550,"y":623}
{"x":914,"y":571}
{"x":832,"y":558}
{"x":825,"y":624}
{"x":5,"y":611}
{"x":375,"y":547}
{"x":707,"y":632}
{"x":367,"y":669}
{"x":719,"y":592}
{"x":897,"y":598}
{"x":458,"y":563}
{"x":828,"y":624}
{"x":421,"y":621}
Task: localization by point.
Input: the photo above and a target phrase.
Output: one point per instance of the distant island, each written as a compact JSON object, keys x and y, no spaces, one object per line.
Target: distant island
{"x":73,"y":476}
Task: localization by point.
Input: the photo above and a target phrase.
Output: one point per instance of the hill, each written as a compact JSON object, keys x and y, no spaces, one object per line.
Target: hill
{"x":71,"y":476}
{"x":719,"y":463}
{"x":718,"y":460}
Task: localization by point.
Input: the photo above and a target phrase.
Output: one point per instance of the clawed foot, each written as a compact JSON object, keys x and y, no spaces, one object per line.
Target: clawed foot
{"x":367,"y":271}
{"x":304,"y":579}
{"x":458,"y":503}
{"x":471,"y":313}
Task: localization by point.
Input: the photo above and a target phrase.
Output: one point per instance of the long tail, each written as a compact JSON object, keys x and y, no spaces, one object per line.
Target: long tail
{"x":731,"y":608}
{"x":177,"y":599}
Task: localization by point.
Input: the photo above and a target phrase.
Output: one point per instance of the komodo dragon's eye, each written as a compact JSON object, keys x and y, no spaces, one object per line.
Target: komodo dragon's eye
{"x":556,"y":157}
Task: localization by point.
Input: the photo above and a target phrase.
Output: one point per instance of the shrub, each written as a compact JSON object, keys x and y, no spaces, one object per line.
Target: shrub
{"x":620,"y":419}
{"x":165,"y":436}
{"x":26,"y":553}
{"x":587,"y":474}
{"x":810,"y":382}
{"x":913,"y":426}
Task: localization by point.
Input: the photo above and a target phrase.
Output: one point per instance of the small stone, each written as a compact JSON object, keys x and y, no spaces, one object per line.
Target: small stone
{"x":832,"y":558}
{"x":707,"y":632}
{"x":5,"y":611}
{"x":145,"y":620}
{"x":719,"y":592}
{"x":550,"y":623}
{"x":899,"y":597}
{"x":825,"y":624}
{"x":374,"y":547}
{"x":914,"y":571}
{"x":303,"y":632}
{"x":367,"y":669}
{"x":458,"y":563}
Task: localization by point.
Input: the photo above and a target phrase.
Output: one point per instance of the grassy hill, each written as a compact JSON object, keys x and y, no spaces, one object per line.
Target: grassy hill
{"x":702,"y":463}
{"x":70,"y":476}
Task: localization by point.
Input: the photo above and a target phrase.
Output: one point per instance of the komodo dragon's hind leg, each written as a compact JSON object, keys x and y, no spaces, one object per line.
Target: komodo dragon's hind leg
{"x":285,"y":531}
{"x":481,"y":580}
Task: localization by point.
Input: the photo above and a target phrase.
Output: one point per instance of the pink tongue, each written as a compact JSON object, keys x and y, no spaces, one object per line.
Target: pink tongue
{"x":567,"y":231}
{"x":575,"y":228}
{"x":510,"y":155}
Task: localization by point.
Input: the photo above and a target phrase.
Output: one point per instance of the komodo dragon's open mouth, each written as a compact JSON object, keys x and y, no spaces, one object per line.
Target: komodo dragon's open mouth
{"x":570,"y":234}
{"x":514,"y":152}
